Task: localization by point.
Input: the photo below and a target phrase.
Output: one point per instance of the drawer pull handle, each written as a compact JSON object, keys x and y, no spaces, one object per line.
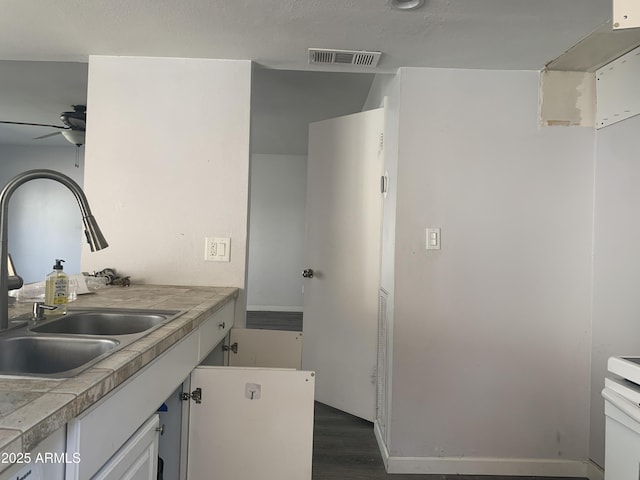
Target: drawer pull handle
{"x":222,"y":325}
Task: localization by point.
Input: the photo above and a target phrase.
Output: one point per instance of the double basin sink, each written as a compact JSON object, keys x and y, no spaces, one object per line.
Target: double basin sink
{"x":64,"y":346}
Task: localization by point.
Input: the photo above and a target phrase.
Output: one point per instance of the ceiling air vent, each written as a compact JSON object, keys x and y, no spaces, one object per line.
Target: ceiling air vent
{"x":325,"y":56}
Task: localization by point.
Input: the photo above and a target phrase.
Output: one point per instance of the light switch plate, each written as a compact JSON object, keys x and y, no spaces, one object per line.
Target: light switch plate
{"x":432,"y":238}
{"x":217,"y":249}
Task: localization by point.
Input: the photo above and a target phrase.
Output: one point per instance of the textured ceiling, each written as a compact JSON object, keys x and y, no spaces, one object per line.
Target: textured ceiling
{"x":494,"y":34}
{"x":488,"y":34}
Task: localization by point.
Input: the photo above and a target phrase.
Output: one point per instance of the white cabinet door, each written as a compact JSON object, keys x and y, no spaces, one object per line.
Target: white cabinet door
{"x":252,"y":423}
{"x":137,"y":459}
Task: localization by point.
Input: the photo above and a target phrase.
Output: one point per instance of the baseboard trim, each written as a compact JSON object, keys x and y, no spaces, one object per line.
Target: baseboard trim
{"x":492,"y":466}
{"x":594,"y":472}
{"x":381,"y":445}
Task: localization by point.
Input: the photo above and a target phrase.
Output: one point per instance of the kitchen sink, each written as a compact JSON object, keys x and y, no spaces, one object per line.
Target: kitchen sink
{"x":49,"y":355}
{"x":108,"y":322}
{"x":64,"y":346}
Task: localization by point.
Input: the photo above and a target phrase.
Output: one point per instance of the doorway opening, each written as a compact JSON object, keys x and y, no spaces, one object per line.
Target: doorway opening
{"x":283,"y":104}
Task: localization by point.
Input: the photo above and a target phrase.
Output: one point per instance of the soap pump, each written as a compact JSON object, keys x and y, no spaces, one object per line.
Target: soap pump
{"x":57,"y":289}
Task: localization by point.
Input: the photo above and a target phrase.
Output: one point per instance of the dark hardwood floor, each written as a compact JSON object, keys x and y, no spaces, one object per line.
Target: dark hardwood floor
{"x":291,"y":321}
{"x":345,"y":448}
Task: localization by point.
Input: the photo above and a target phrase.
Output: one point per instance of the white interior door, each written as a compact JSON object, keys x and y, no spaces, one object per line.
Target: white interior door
{"x":252,"y":423}
{"x":344,"y":215}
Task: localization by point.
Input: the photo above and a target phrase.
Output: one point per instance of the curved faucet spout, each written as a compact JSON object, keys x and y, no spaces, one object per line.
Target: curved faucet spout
{"x":95,"y":238}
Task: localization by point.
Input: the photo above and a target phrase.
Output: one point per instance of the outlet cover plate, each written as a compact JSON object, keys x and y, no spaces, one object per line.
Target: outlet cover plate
{"x":217,"y":249}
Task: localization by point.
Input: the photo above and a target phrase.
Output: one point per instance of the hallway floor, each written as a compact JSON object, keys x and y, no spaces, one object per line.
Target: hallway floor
{"x":345,"y":448}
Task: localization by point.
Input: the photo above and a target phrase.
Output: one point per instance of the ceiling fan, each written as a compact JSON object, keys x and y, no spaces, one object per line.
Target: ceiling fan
{"x":75,"y":124}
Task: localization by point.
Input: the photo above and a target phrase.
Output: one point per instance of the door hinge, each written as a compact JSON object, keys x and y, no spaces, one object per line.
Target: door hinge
{"x":233,"y":347}
{"x":381,"y":141}
{"x":196,"y":395}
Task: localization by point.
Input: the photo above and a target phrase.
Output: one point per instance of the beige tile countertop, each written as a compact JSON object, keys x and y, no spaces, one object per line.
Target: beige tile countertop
{"x":32,"y":408}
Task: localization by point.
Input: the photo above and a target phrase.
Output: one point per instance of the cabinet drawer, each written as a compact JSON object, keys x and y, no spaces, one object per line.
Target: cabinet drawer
{"x":215,"y":328}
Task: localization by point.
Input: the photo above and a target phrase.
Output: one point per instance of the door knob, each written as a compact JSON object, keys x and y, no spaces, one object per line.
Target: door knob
{"x":307,"y":273}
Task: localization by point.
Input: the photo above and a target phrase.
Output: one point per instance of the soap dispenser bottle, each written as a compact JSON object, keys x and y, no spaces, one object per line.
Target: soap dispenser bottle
{"x":57,"y":289}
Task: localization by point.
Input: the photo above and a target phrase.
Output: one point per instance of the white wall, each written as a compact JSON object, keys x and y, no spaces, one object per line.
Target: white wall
{"x":616,"y":303}
{"x":385,"y":91}
{"x":44,"y":219}
{"x":167,"y":163}
{"x":277,"y":219}
{"x":491,"y":333}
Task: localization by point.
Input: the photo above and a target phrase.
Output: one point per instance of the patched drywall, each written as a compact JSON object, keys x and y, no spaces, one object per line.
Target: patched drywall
{"x":567,"y":99}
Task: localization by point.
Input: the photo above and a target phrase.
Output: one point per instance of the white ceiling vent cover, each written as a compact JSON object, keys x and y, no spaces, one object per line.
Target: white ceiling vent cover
{"x":326,"y":56}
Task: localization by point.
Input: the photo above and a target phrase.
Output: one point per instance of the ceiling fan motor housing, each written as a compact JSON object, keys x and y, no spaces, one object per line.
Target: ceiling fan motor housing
{"x":76,"y":120}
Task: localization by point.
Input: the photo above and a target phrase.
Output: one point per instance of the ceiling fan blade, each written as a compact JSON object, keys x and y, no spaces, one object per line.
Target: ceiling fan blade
{"x":34,"y":124}
{"x":47,"y":135}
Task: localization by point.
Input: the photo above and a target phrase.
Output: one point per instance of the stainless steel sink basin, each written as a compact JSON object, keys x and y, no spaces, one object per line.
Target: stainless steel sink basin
{"x":111,"y":322}
{"x":49,"y":355}
{"x":64,"y":346}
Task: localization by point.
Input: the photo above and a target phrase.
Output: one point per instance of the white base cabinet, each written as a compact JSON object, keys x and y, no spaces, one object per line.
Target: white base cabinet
{"x":45,"y":462}
{"x":97,"y":434}
{"x":243,"y":422}
{"x":138,"y":458}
